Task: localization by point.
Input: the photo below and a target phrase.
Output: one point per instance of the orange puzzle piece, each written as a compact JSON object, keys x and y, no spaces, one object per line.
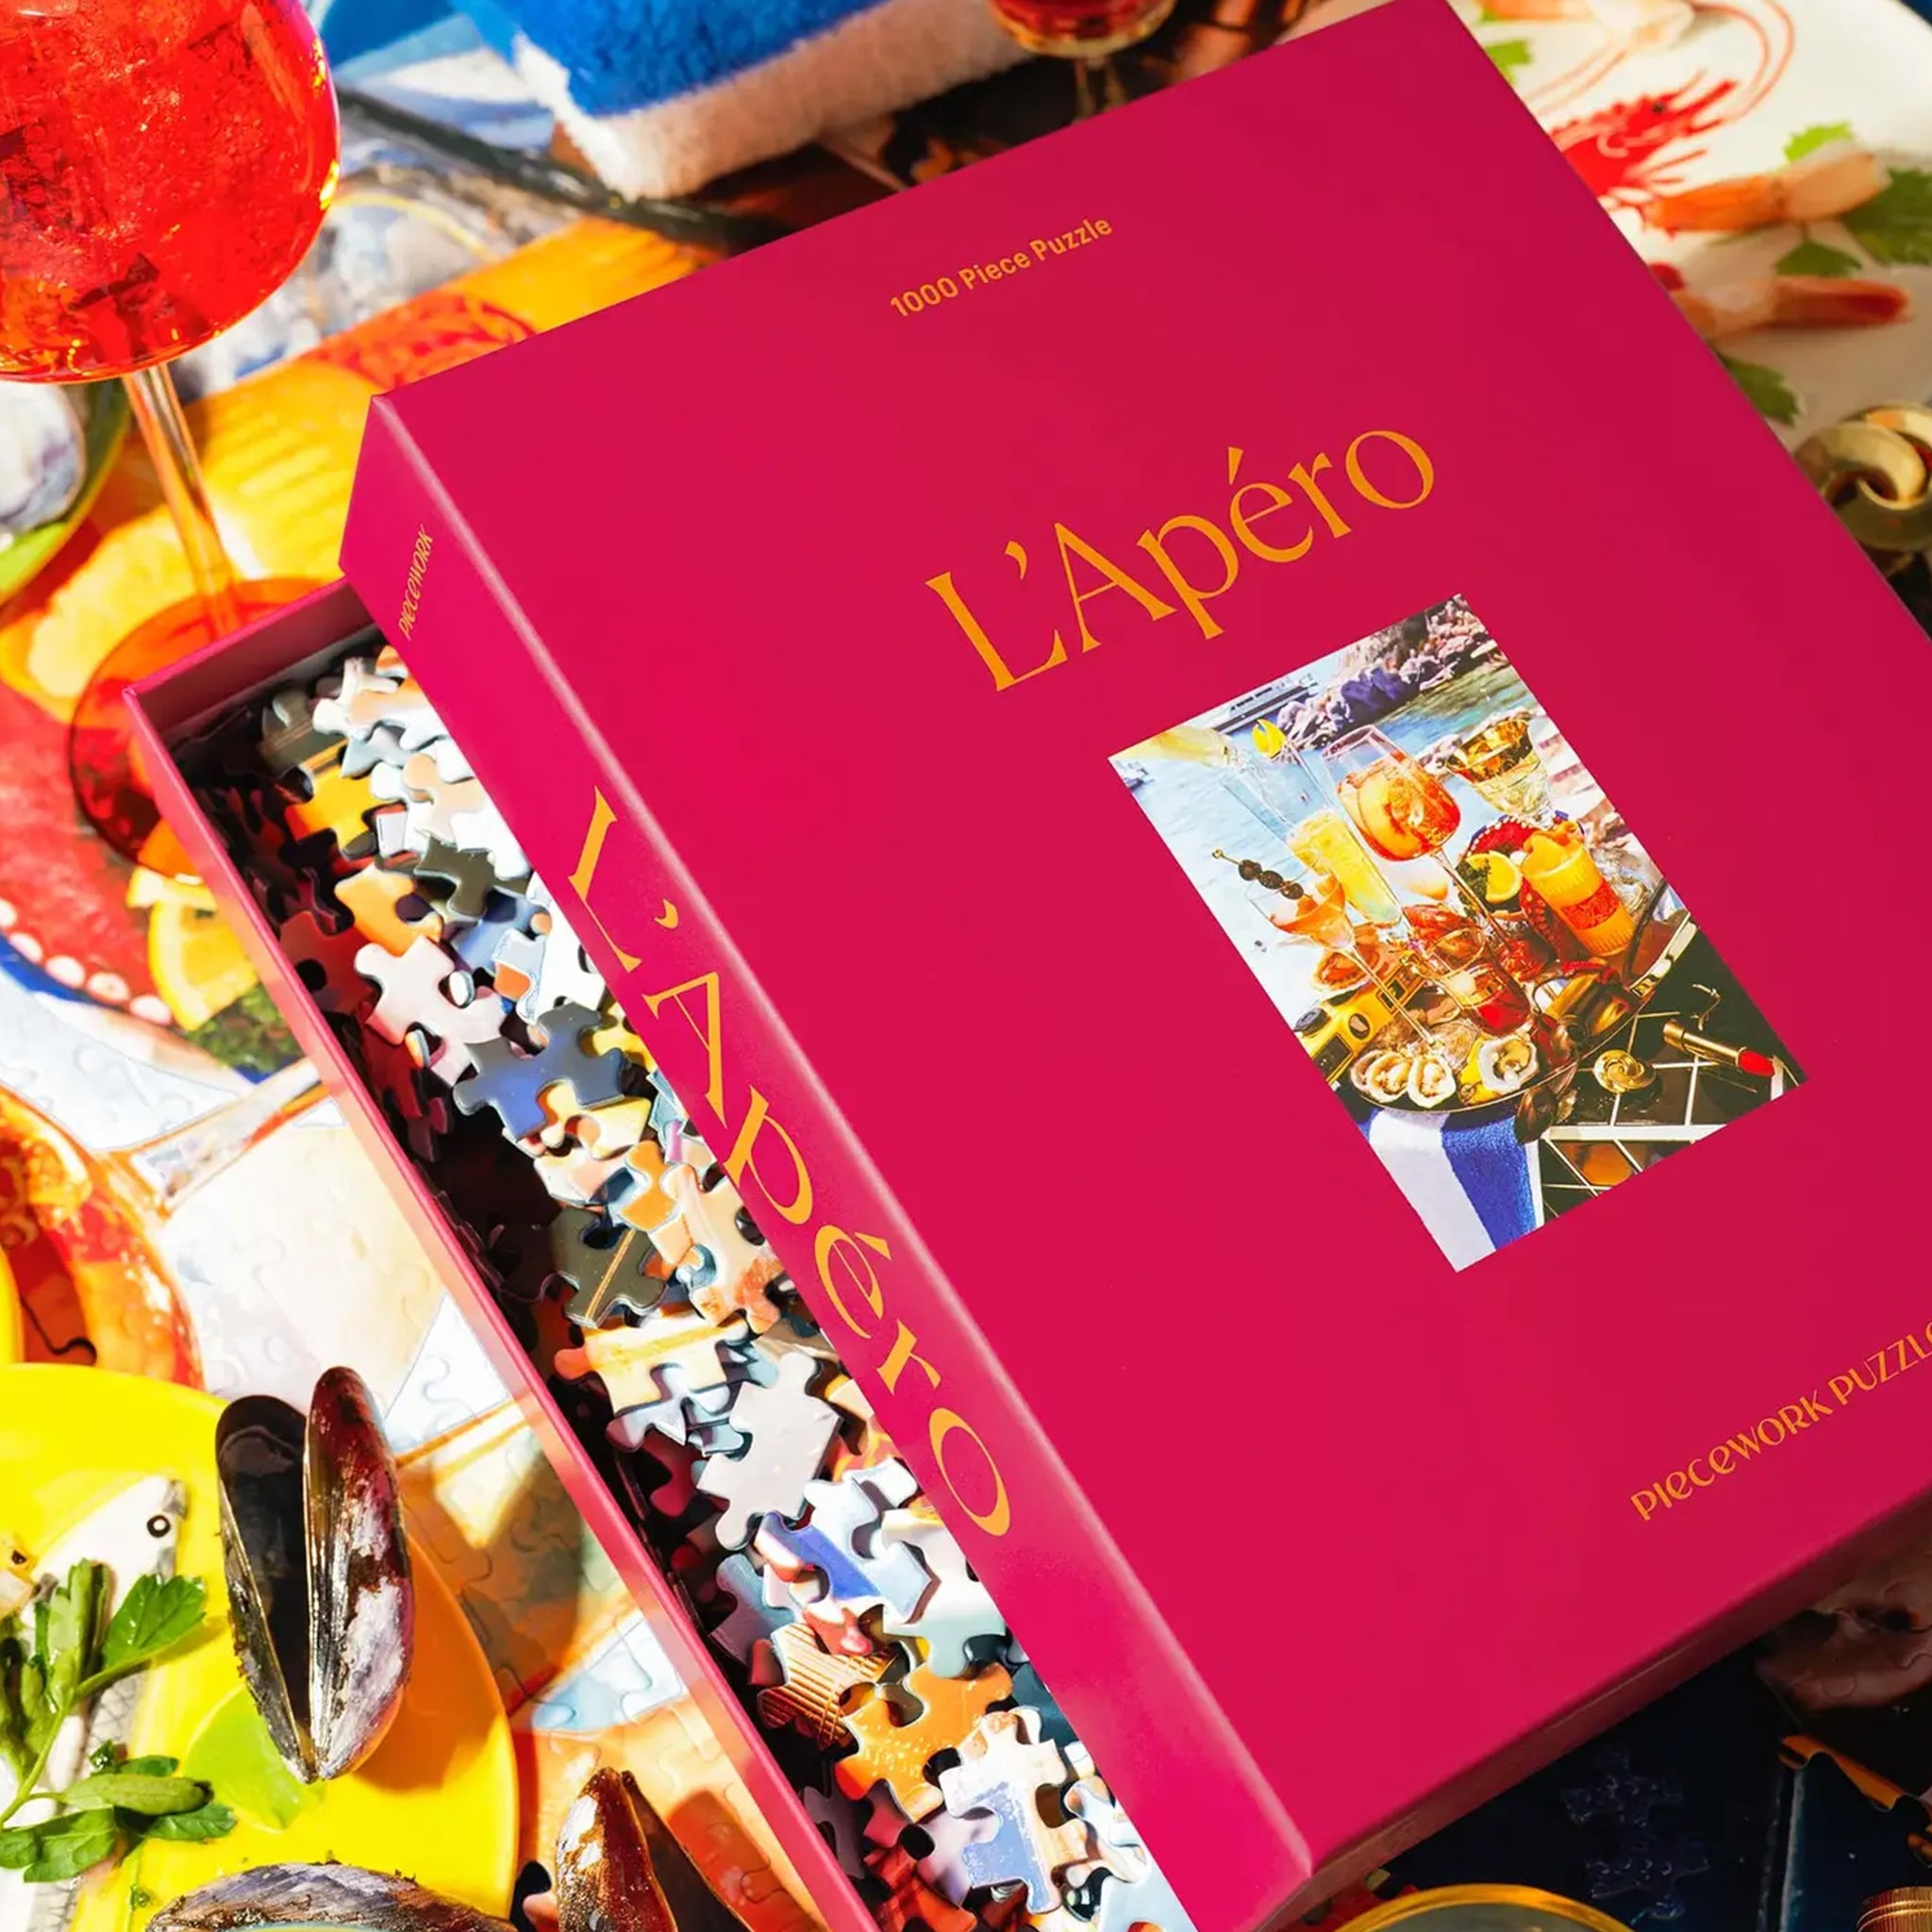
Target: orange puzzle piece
{"x":371,"y":897}
{"x":897,"y":1753}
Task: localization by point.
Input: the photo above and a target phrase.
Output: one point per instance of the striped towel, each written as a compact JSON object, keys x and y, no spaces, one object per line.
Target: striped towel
{"x":1470,"y":1185}
{"x":664,"y":95}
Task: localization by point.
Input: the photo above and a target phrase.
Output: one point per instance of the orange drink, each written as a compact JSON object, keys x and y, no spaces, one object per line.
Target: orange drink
{"x":1558,"y":864}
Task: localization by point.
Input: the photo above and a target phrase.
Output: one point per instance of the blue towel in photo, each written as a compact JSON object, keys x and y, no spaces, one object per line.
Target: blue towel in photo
{"x":1470,"y":1184}
{"x":664,"y":95}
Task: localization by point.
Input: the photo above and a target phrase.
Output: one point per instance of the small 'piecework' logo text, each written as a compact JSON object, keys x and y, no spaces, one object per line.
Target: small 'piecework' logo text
{"x":1786,"y":1425}
{"x":412,"y":584}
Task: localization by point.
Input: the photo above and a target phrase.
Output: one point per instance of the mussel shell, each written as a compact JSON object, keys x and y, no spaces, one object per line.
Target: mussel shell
{"x":606,"y":1880}
{"x":343,"y":1896}
{"x":258,"y":1444}
{"x":318,"y":1571}
{"x":362,"y":1622}
{"x":695,"y":1907}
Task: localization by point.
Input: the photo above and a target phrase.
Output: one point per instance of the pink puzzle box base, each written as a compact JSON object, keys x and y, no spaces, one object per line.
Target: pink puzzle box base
{"x":281,"y":649}
{"x":168,"y":709}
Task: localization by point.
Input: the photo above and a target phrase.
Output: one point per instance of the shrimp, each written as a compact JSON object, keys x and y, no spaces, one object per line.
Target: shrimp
{"x":1833,"y":181}
{"x":1791,"y":301}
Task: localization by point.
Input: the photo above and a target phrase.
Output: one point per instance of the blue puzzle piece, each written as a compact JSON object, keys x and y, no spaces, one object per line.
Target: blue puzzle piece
{"x":837,"y":1540}
{"x":1010,"y":1854}
{"x":754,"y":1617}
{"x":475,"y":945}
{"x":509,"y":1080}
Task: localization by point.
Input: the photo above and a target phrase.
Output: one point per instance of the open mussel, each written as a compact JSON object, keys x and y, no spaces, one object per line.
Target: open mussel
{"x":606,"y":1880}
{"x":619,"y":1869}
{"x":345,"y":1897}
{"x":318,"y":1571}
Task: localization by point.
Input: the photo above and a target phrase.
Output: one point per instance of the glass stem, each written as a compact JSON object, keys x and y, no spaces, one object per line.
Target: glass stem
{"x":1474,"y":900}
{"x":171,"y":448}
{"x":1392,"y":994}
{"x":1097,"y":86}
{"x":173,"y":1166}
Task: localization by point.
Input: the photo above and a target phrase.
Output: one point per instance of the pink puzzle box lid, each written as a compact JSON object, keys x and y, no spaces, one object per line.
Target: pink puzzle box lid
{"x":1280,"y":902}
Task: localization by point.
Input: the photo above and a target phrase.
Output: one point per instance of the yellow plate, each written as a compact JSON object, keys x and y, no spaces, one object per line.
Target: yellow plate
{"x":438,"y":1800}
{"x":11,"y":1341}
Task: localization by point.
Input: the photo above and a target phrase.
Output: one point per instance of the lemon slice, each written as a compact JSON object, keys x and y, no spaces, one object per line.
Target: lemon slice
{"x":1504,"y":879}
{"x":1268,"y":738}
{"x":197,"y":962}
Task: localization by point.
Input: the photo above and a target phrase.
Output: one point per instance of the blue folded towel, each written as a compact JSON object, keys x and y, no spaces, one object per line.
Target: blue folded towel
{"x":1470,"y":1184}
{"x":664,"y":95}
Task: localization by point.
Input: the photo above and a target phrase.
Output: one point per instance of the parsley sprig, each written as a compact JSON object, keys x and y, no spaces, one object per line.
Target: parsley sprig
{"x":50,"y":1666}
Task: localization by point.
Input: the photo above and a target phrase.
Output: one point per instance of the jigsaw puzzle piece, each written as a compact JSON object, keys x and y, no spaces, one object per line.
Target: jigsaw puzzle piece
{"x":332,"y":802}
{"x":911,"y":1904}
{"x":896,"y":1752}
{"x":1003,"y":1769}
{"x":458,"y":881}
{"x":367,"y":697}
{"x":958,"y":1610}
{"x":610,"y":1129}
{"x":760,"y":1608}
{"x":732,"y":1269}
{"x":1147,"y":1901}
{"x":627,"y":1360}
{"x":373,"y":900}
{"x":839,"y":1827}
{"x":325,"y":958}
{"x":836,"y":1542}
{"x":812,"y":1685}
{"x":551,"y":966}
{"x":577,"y":1178}
{"x":290,"y":738}
{"x":1118,"y":1850}
{"x":789,"y":1429}
{"x":426,"y":987}
{"x":943,"y":1866}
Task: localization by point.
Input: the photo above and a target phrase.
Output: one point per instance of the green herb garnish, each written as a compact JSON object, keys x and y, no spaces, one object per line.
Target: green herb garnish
{"x":59,"y":1654}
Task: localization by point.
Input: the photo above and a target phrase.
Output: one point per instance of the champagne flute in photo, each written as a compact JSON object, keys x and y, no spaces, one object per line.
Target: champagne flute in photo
{"x":1086,"y":32}
{"x":164,"y":165}
{"x":1305,"y":903}
{"x":1401,"y":808}
{"x":1317,"y":833}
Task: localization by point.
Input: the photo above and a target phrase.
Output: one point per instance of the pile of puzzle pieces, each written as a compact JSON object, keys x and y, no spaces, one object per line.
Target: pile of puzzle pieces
{"x":949,"y":1785}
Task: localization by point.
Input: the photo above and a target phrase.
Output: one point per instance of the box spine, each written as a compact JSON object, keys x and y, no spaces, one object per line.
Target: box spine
{"x":847,"y":1244}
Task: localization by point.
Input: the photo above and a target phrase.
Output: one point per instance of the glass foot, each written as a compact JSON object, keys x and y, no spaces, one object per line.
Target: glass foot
{"x":103,"y":761}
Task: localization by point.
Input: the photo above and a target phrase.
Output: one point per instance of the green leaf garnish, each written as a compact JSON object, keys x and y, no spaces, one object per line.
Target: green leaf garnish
{"x":1810,"y":139}
{"x":58,"y":1848}
{"x":67,"y":1633}
{"x":1770,"y":393}
{"x":1811,"y":257}
{"x":1509,"y":56}
{"x":154,"y":1616}
{"x":1895,"y":226}
{"x":47,"y":1677}
{"x":213,"y":1820}
{"x":134,"y":1790}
